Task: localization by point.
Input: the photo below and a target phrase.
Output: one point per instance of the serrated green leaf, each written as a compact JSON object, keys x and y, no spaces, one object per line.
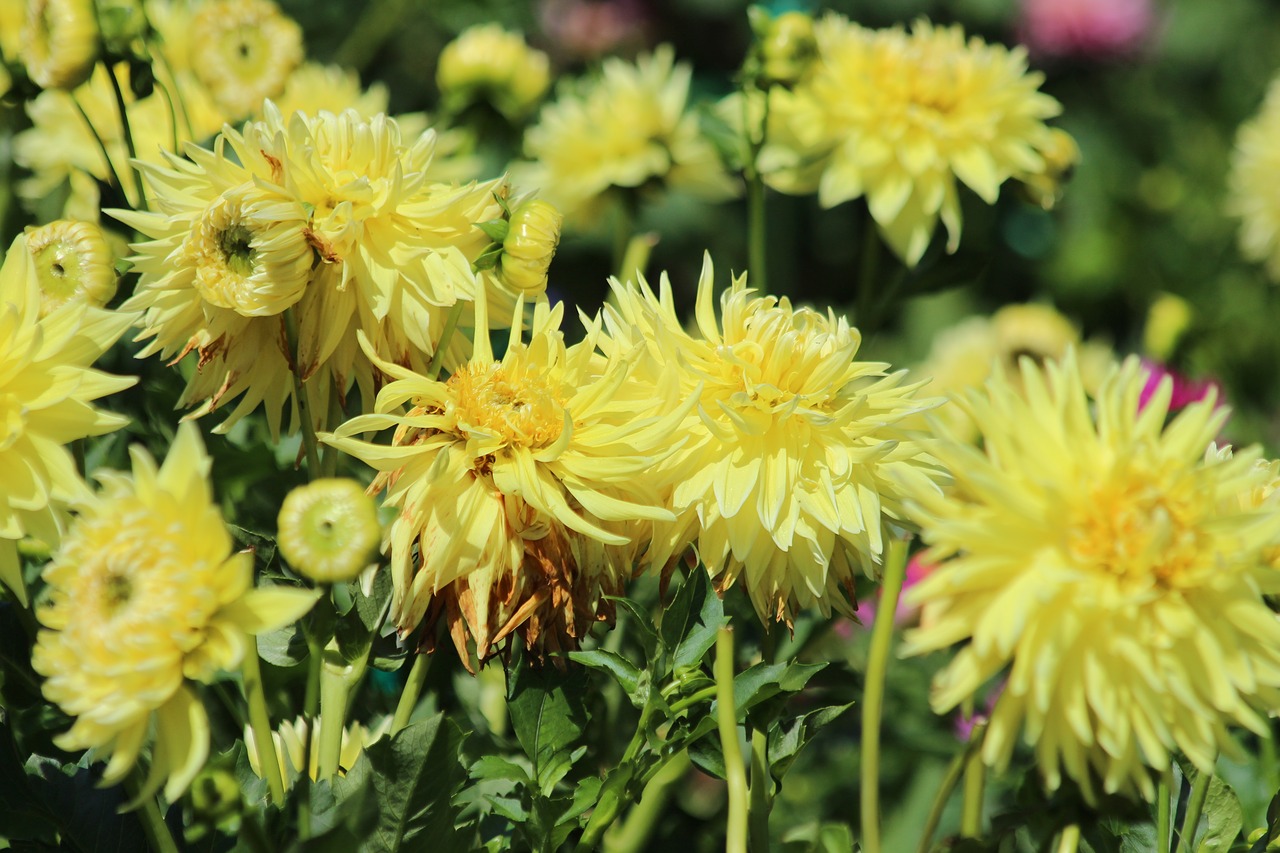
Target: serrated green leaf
{"x":683,"y":610}
{"x":548,"y":714}
{"x":641,"y":622}
{"x":623,"y":671}
{"x":372,"y":607}
{"x":700,"y":630}
{"x":497,"y":767}
{"x":787,"y":739}
{"x":764,"y":681}
{"x":88,"y":817}
{"x":1223,"y":818}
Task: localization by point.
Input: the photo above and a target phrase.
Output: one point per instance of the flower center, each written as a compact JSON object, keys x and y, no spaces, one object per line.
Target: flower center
{"x":516,"y":405}
{"x":1139,"y":531}
{"x":235,"y":244}
{"x":117,"y":591}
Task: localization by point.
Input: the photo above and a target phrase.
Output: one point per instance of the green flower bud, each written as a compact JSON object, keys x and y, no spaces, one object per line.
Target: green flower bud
{"x":530,"y":244}
{"x":74,"y":263}
{"x":786,"y":46}
{"x":60,"y":42}
{"x":328,"y":530}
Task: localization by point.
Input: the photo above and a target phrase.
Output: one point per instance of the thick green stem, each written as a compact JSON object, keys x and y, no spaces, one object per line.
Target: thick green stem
{"x":337,"y":677}
{"x":761,"y":782}
{"x":1164,"y":797}
{"x":975,"y":783}
{"x":873,"y":696}
{"x":1195,"y":805}
{"x":450,"y":326}
{"x":260,"y":722}
{"x":1069,"y":841}
{"x":153,"y":825}
{"x":949,"y":782}
{"x":127,"y":132}
{"x":412,"y":690}
{"x":727,"y":719}
{"x":706,"y":694}
{"x":309,"y":444}
{"x":635,"y":831}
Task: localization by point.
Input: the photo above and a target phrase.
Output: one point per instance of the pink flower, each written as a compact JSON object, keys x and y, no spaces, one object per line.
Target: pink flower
{"x":965,"y":723}
{"x":1089,"y":28}
{"x":1185,"y":391}
{"x":588,"y":29}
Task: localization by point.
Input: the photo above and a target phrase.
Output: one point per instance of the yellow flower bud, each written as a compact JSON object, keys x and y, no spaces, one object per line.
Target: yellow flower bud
{"x":488,"y":63}
{"x":328,"y":530}
{"x":532,"y":237}
{"x":787,"y":47}
{"x":60,"y":42}
{"x":245,"y":53}
{"x":1167,"y":322}
{"x":74,"y":263}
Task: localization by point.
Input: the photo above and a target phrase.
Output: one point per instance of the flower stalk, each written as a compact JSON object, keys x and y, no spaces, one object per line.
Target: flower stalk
{"x":727,"y":720}
{"x":260,"y":721}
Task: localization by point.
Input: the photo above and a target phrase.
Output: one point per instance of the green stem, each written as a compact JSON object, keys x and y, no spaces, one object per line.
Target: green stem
{"x":260,"y":721}
{"x":315,"y":657}
{"x":1069,"y":841}
{"x":1164,"y":796}
{"x":175,"y":95}
{"x":337,"y":677}
{"x":1195,"y":805}
{"x":450,"y":326}
{"x":309,"y":444}
{"x":123,"y":109}
{"x":102,"y":147}
{"x":975,"y":783}
{"x":949,"y":781}
{"x":153,"y":825}
{"x":873,"y":695}
{"x":727,"y":718}
{"x":412,"y":690}
{"x":634,"y":833}
{"x":706,"y":694}
{"x":761,"y":781}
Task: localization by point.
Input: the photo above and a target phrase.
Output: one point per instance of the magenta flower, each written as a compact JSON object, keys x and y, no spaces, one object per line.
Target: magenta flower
{"x":1087,"y":28}
{"x":1185,"y":391}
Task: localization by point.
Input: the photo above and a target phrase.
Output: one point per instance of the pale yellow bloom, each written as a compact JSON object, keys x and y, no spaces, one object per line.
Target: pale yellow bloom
{"x":145,"y":594}
{"x":74,"y":262}
{"x":485,"y":62}
{"x":333,"y":216}
{"x":899,"y":117}
{"x":47,"y":389}
{"x":792,"y":467}
{"x":1105,"y":562}
{"x":328,"y":530}
{"x":1252,"y":182}
{"x":295,"y":741}
{"x":522,"y":488}
{"x":245,"y":52}
{"x":627,"y":128}
{"x":60,"y":42}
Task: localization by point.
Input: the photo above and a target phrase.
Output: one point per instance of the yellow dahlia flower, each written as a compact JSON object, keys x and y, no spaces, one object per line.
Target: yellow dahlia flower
{"x":1251,"y":183}
{"x":144,"y":594}
{"x":46,"y":392}
{"x":60,"y":42}
{"x":245,"y":52}
{"x":331,"y":215}
{"x":296,"y":741}
{"x":793,"y":462}
{"x":328,"y":529}
{"x":486,"y":62}
{"x":1107,"y":563}
{"x":519,"y":483}
{"x":73,"y":263}
{"x":626,"y":128}
{"x":898,"y":117}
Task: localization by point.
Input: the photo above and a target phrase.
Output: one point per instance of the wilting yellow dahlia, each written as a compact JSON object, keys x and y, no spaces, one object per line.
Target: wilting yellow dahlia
{"x":486,"y":62}
{"x":898,"y":117}
{"x":522,"y":487}
{"x":965,"y":355}
{"x":627,"y":128}
{"x":794,"y":462}
{"x":74,"y":263}
{"x":60,"y":42}
{"x":46,"y":391}
{"x":245,"y":52}
{"x":144,"y":594}
{"x":296,"y":741}
{"x":332,"y":216}
{"x":1252,"y":195}
{"x":1108,"y":564}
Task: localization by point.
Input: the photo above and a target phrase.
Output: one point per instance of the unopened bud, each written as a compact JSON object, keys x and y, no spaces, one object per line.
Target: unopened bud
{"x":328,"y":530}
{"x":530,"y":244}
{"x":74,"y":263}
{"x":60,"y":42}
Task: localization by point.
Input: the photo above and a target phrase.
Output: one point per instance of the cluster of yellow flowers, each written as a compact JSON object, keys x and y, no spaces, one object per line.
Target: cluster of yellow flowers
{"x":1093,"y":553}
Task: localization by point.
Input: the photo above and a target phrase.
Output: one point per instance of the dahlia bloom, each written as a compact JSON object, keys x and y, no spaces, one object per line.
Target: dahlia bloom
{"x":245,"y":52}
{"x":522,"y":487}
{"x":1089,"y":28}
{"x":330,"y":217}
{"x":1252,"y":182}
{"x":900,"y":117}
{"x":793,"y":462}
{"x":1109,"y":565}
{"x":73,"y":263}
{"x":627,"y":128}
{"x":60,"y":42}
{"x":47,"y":389}
{"x":145,"y":594}
{"x":488,"y":63}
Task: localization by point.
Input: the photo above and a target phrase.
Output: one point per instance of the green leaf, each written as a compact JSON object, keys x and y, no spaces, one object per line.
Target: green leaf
{"x":764,"y":681}
{"x":1223,"y":818}
{"x":788,"y":738}
{"x":623,"y":671}
{"x":819,"y":838}
{"x":283,"y":647}
{"x":413,"y":777}
{"x":372,"y":607}
{"x":642,"y":623}
{"x":497,"y":767}
{"x":549,"y":714}
{"x":682,"y":613}
{"x":88,"y":816}
{"x":701,"y":627}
